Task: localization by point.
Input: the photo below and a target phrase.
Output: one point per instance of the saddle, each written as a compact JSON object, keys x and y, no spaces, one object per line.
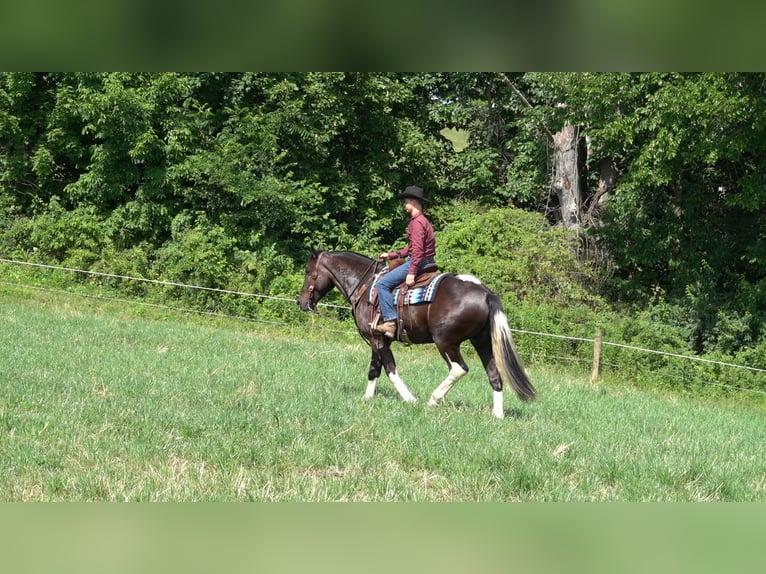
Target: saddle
{"x":422,"y":279}
{"x":431,"y":268}
{"x":426,"y":275}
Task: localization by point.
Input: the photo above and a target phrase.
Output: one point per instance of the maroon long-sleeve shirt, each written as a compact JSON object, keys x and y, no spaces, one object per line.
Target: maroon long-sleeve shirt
{"x":421,"y":243}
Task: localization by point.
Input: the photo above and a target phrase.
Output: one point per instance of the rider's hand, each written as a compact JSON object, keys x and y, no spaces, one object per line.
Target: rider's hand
{"x":384,"y":256}
{"x":410,"y":280}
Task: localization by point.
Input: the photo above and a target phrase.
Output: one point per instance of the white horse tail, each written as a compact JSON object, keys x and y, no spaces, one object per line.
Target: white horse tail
{"x":506,"y":358}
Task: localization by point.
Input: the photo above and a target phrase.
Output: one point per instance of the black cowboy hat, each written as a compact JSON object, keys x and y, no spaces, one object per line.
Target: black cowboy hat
{"x":414,"y":192}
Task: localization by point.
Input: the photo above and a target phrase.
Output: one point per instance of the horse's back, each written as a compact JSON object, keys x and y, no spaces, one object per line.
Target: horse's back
{"x":455,"y":287}
{"x":460,"y":300}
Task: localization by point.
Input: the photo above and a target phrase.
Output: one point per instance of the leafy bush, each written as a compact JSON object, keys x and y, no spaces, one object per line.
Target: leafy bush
{"x":515,"y":253}
{"x":59,"y":234}
{"x":132,"y":262}
{"x":199,"y":254}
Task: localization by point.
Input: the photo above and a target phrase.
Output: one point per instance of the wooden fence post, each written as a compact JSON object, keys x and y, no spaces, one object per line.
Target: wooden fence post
{"x":596,"y":356}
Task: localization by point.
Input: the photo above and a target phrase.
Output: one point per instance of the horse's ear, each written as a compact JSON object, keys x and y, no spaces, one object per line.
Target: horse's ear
{"x":313,"y":252}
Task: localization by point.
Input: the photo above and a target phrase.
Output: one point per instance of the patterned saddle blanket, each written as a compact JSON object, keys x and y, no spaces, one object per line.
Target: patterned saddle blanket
{"x":423,"y":291}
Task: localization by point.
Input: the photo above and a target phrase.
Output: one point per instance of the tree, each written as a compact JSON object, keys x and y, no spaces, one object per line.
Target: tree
{"x":683,"y":218}
{"x":566,"y":179}
{"x":505,"y":160}
{"x":275,"y":158}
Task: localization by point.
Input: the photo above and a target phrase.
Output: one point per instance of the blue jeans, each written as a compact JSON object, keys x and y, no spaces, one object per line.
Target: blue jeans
{"x":390,"y":281}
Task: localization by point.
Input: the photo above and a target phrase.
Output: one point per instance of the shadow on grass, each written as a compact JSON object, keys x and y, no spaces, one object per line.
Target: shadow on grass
{"x":387,"y":392}
{"x":464,"y":407}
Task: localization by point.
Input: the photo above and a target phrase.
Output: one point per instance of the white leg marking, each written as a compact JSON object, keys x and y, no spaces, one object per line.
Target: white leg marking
{"x":497,"y":404}
{"x":401,"y":388}
{"x":370,"y":392}
{"x":455,"y":373}
{"x":469,"y":279}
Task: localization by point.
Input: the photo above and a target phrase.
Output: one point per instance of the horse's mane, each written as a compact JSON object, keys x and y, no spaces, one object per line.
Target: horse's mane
{"x":352,"y":253}
{"x":357,"y":257}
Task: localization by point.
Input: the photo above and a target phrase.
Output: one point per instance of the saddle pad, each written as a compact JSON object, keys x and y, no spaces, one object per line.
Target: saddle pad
{"x":424,"y":294}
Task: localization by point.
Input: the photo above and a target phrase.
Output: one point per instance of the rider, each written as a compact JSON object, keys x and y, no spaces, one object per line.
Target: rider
{"x":420,"y":251}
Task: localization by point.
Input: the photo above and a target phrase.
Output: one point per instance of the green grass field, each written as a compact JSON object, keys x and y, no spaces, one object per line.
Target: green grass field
{"x":100,"y":403}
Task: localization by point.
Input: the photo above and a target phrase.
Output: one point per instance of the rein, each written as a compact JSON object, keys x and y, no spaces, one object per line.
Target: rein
{"x":350,"y":294}
{"x":372,"y":266}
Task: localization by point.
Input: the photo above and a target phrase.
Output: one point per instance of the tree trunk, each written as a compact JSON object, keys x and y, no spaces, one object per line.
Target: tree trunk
{"x":607,"y":178}
{"x":566,"y":181}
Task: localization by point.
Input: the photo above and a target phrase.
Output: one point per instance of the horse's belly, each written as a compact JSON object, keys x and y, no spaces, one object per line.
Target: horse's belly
{"x":414,"y":325}
{"x":417,"y":337}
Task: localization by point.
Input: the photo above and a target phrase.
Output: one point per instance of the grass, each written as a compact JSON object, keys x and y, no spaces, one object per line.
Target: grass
{"x":101,"y":404}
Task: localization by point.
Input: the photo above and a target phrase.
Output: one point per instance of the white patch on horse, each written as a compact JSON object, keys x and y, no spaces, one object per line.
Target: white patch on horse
{"x":370,"y":392}
{"x":401,"y":388}
{"x":497,"y":404}
{"x":469,"y":279}
{"x":456,"y":372}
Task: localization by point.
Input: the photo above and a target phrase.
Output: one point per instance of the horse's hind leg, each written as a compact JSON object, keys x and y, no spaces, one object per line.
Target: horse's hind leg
{"x":483,"y":345}
{"x":457,"y":370}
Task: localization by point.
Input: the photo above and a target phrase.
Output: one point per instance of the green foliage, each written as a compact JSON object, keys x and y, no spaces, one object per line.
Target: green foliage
{"x":514,"y":252}
{"x":504,"y":161}
{"x":684,"y":217}
{"x":199,"y":252}
{"x":60,"y":235}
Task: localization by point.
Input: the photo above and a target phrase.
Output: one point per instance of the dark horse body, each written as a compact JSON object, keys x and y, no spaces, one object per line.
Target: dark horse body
{"x":463,"y":309}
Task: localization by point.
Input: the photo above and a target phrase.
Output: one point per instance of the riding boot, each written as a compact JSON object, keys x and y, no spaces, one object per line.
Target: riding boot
{"x":388,"y":329}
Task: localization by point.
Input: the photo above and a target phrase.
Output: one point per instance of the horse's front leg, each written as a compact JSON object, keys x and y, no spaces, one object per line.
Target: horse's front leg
{"x":376,"y":365}
{"x":383,"y":347}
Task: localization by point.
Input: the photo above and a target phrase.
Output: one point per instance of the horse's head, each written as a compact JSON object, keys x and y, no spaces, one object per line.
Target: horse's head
{"x":317,"y":283}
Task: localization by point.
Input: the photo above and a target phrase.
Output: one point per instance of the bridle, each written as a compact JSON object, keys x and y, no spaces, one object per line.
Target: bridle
{"x":315,"y":276}
{"x":313,"y":282}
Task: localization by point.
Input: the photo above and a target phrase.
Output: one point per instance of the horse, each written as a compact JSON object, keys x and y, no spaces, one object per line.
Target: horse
{"x":462,"y":309}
